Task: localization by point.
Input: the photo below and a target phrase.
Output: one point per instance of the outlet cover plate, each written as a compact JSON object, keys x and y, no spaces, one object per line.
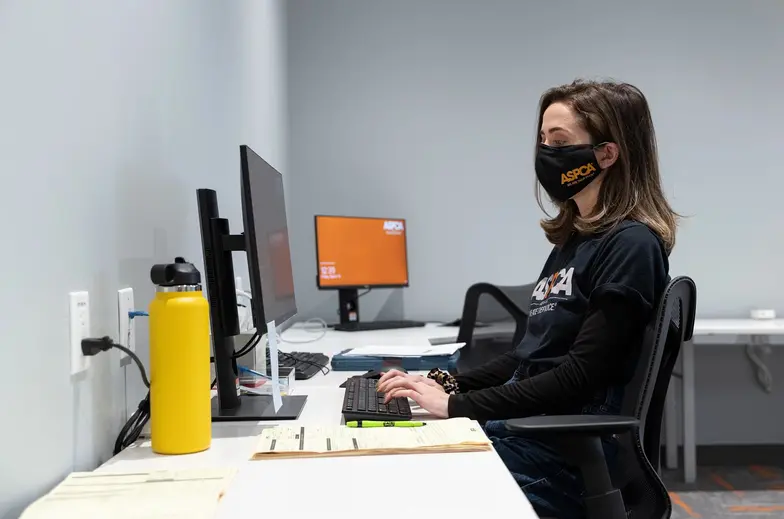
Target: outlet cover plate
{"x":79,"y":319}
{"x":126,"y":334}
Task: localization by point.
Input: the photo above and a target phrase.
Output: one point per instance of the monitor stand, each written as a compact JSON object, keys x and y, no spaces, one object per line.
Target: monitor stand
{"x":258,"y":408}
{"x":348,"y":299}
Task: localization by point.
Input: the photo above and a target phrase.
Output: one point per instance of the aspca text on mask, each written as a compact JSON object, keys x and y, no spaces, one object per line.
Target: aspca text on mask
{"x":574,"y":174}
{"x":393,"y":226}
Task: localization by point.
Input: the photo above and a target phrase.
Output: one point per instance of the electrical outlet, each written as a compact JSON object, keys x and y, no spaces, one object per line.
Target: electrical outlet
{"x":79,"y":315}
{"x":127,"y":334}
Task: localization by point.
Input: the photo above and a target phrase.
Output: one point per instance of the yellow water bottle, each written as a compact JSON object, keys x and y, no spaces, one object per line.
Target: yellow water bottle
{"x":180,"y":412}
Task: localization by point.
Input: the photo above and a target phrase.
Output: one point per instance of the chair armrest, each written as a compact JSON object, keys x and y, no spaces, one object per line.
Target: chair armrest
{"x":578,"y":438}
{"x":572,"y":424}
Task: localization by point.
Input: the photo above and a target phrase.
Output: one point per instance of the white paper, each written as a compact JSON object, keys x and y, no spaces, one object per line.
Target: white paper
{"x":284,"y":440}
{"x":180,"y":494}
{"x":272,"y":341}
{"x":428,"y":350}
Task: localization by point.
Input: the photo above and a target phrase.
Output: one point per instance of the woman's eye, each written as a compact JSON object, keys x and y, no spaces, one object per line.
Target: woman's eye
{"x":559,"y":143}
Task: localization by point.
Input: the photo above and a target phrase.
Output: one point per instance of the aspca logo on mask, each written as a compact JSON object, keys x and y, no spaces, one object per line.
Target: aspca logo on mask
{"x":576,"y":173}
{"x":393,"y":225}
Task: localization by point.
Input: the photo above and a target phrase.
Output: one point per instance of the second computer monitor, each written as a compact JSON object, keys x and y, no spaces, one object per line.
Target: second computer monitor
{"x":357,"y":252}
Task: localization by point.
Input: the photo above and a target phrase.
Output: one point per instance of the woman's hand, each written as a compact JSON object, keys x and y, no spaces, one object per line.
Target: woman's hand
{"x":386,"y":379}
{"x":432,"y":399}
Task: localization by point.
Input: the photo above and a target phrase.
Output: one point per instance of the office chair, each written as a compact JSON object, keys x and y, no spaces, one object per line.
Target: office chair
{"x":634,"y":484}
{"x":489,"y":304}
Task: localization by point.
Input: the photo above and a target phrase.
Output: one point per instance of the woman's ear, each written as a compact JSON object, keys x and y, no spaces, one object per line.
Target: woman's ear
{"x":606,"y":154}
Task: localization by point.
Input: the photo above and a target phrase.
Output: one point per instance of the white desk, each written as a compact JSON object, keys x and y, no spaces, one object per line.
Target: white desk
{"x":463,"y":485}
{"x":703,"y":327}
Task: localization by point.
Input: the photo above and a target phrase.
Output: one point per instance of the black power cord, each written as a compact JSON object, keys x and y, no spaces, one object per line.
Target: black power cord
{"x":249,"y":347}
{"x":133,"y":427}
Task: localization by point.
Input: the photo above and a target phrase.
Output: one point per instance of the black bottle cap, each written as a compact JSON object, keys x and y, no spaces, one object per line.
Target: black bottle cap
{"x":175,"y":274}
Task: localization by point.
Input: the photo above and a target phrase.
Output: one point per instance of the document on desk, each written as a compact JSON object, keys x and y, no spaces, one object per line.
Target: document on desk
{"x":453,"y":435}
{"x":181,"y":494}
{"x":428,"y":350}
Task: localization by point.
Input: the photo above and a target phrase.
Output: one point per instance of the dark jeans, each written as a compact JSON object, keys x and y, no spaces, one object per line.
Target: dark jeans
{"x":554,"y":488}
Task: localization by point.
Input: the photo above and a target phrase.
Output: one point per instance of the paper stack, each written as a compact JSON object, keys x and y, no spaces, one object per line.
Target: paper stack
{"x":453,"y":435}
{"x":181,"y":494}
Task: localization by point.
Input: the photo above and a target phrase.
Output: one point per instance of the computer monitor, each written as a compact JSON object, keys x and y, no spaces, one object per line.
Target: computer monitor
{"x":265,"y":241}
{"x":360,"y":252}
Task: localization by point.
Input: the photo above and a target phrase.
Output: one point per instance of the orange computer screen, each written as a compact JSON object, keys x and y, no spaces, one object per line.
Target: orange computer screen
{"x":361,"y":251}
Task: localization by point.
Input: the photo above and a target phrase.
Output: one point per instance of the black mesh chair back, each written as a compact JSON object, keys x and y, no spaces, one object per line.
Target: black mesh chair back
{"x":636,"y":469}
{"x":490,"y":305}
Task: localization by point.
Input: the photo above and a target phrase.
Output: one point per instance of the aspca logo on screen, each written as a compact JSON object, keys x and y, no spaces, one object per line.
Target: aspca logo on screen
{"x":393,"y":226}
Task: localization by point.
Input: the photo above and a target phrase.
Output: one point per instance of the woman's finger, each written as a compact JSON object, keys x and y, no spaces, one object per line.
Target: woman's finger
{"x":407,"y":393}
{"x":390,"y":395}
{"x":383,"y":387}
{"x":395,"y":392}
{"x":392,"y":373}
{"x":395,"y":384}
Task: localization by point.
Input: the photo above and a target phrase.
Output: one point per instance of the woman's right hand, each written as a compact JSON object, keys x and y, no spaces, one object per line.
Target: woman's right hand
{"x":391,"y":379}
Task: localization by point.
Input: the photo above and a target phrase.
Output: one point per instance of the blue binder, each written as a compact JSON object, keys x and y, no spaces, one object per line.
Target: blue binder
{"x":342,"y":362}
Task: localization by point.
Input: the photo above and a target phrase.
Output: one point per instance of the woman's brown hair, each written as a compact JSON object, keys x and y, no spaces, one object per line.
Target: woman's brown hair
{"x":631,"y":188}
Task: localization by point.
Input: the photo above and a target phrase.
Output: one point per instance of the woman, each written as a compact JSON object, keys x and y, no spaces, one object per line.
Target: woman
{"x":614,"y":230}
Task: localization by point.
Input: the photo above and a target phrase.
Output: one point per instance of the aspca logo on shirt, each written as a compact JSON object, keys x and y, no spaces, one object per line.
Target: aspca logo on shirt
{"x":557,"y":284}
{"x":572,"y":175}
{"x":393,"y":225}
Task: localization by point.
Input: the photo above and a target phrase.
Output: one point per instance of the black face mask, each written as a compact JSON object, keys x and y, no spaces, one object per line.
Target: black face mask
{"x":566,"y":170}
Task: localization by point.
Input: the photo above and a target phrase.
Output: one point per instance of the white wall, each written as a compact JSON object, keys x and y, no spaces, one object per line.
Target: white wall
{"x":112,"y":114}
{"x":426,"y":110}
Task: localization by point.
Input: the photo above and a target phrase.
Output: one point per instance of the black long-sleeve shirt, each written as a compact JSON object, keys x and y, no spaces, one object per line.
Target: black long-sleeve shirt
{"x":587,"y":321}
{"x":605,"y":349}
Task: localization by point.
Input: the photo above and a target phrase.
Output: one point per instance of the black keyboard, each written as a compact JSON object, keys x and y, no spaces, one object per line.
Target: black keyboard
{"x":363,"y":402}
{"x":305,"y":364}
{"x":377,"y":325}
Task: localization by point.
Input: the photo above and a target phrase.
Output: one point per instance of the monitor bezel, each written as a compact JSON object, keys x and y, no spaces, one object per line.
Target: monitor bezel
{"x":257,"y":300}
{"x":352,"y":287}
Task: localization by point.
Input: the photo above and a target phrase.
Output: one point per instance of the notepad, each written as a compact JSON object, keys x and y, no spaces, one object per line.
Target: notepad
{"x":453,"y":435}
{"x":181,"y":494}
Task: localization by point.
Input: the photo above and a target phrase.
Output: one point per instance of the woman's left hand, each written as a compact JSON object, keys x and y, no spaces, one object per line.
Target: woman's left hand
{"x":432,"y":399}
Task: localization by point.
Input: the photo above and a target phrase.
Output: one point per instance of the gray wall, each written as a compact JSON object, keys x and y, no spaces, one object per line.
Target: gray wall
{"x":112,"y":113}
{"x":426,"y":110}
